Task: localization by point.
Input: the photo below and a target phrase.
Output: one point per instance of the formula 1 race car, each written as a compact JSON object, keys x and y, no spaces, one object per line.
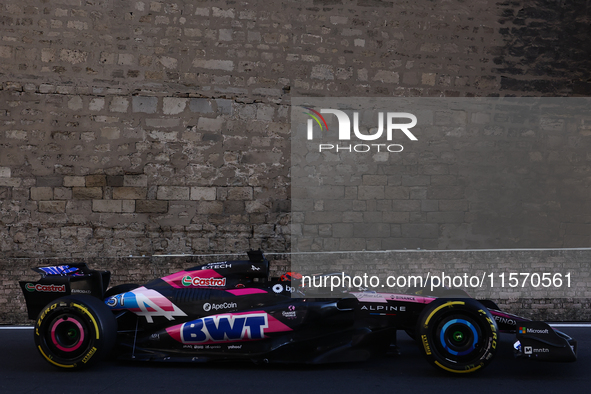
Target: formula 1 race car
{"x":231,"y":310}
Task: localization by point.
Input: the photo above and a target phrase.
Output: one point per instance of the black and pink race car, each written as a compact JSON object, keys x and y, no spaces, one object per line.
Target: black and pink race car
{"x":231,"y":310}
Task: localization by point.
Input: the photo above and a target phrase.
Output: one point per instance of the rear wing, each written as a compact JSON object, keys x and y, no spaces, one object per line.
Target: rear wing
{"x":61,"y":280}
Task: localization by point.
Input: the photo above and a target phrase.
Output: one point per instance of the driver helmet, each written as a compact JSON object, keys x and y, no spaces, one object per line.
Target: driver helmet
{"x":289,"y":276}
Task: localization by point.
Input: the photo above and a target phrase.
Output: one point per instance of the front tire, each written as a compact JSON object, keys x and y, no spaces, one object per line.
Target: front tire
{"x":74,"y":332}
{"x":457,"y":335}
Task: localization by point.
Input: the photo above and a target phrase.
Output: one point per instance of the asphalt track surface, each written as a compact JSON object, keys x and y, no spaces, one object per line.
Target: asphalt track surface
{"x":22,"y":370}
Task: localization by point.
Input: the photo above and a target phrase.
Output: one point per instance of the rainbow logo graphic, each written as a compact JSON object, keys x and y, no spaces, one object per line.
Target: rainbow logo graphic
{"x":317,"y":117}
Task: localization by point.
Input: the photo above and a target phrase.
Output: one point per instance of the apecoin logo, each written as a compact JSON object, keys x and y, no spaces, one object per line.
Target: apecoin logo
{"x":226,"y":305}
{"x":388,"y":122}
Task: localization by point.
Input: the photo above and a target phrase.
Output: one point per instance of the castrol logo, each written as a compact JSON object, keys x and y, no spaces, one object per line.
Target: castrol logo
{"x":45,"y":288}
{"x":205,"y":282}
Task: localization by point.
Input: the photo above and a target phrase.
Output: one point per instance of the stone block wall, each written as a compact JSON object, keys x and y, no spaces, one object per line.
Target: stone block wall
{"x":139,"y":127}
{"x":140,"y":175}
{"x":483,"y":173}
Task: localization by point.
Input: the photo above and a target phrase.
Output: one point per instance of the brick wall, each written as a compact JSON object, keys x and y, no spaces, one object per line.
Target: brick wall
{"x":140,"y":127}
{"x":481,"y":173}
{"x":143,"y":127}
{"x":110,"y":175}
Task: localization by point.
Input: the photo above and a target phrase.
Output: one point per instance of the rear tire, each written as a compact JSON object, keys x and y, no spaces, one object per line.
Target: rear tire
{"x":457,"y":335}
{"x":74,"y":332}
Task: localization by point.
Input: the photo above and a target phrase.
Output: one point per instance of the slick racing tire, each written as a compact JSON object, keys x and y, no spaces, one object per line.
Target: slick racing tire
{"x":457,"y":335}
{"x":74,"y":332}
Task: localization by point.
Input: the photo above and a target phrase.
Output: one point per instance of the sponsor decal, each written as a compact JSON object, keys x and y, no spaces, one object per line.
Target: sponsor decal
{"x":405,"y":298}
{"x":369,"y":295}
{"x":527,"y":350}
{"x":204,"y":278}
{"x":226,"y":305}
{"x":254,"y":268}
{"x":290,"y":313}
{"x":203,"y":282}
{"x":225,"y":328}
{"x":493,"y":329}
{"x":386,"y":122}
{"x":217,"y":266}
{"x":278,"y":288}
{"x":81,"y":291}
{"x":89,"y":355}
{"x":145,"y":302}
{"x":45,"y":312}
{"x":426,"y":344}
{"x":383,"y":310}
{"x":45,"y":288}
{"x":506,"y":320}
{"x":234,"y":347}
{"x":380,"y":308}
{"x":524,"y":330}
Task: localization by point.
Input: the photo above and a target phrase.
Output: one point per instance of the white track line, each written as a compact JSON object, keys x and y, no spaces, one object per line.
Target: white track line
{"x":16,"y":327}
{"x":378,"y":252}
{"x":570,"y":325}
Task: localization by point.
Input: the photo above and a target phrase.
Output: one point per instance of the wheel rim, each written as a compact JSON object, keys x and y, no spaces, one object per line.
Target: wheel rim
{"x":459,"y":337}
{"x":67,"y":334}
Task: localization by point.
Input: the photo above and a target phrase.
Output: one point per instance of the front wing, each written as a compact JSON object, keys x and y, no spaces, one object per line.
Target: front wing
{"x":538,"y":341}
